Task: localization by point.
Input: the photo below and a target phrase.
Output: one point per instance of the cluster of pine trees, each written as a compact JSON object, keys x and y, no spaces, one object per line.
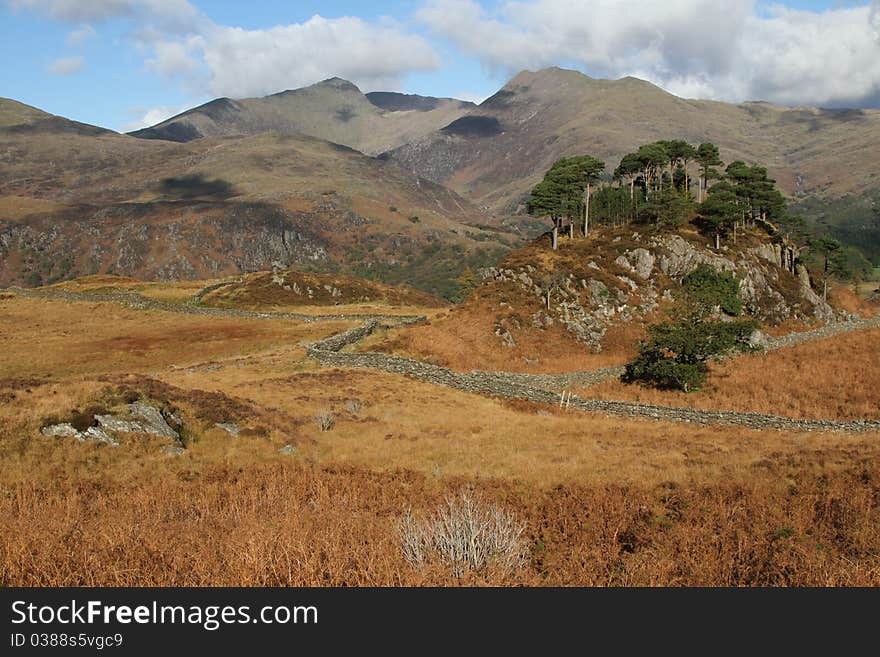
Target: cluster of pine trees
{"x":667,"y":183}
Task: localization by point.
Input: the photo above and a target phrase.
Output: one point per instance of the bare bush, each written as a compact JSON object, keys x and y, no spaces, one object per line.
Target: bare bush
{"x":466,"y":533}
{"x":353,"y":406}
{"x":325,"y":420}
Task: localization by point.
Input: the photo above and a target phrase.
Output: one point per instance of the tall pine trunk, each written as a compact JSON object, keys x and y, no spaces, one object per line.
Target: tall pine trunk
{"x":587,"y":210}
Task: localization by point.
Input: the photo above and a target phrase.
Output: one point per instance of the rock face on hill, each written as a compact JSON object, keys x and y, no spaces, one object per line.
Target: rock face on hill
{"x":633,"y":276}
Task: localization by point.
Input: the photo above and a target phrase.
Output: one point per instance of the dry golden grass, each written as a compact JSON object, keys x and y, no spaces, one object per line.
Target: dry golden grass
{"x":443,"y":432}
{"x":606,"y":501}
{"x":852,"y":299}
{"x":17,"y":207}
{"x":834,"y":378}
{"x":466,"y":342}
{"x":170,"y":292}
{"x":52,"y":338}
{"x":178,"y":523}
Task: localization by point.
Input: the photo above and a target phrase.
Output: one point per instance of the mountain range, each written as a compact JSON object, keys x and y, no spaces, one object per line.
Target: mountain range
{"x":396,"y":187}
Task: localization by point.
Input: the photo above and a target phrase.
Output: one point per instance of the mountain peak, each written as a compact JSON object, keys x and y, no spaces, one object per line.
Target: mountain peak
{"x":338,"y":83}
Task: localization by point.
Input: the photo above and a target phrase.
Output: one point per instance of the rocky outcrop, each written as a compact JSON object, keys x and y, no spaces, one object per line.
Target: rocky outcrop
{"x":630,"y":285}
{"x":585,"y":307}
{"x":772,"y":287}
{"x":137,"y":418}
{"x":90,"y":434}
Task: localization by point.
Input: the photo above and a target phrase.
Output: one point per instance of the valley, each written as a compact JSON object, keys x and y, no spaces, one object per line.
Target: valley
{"x":257,"y":343}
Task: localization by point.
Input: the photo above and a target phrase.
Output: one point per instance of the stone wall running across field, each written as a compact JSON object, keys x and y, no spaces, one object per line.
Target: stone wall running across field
{"x":547,"y":388}
{"x":541,"y":388}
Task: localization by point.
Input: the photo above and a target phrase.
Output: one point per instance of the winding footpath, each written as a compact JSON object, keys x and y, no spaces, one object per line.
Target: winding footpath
{"x":541,"y":388}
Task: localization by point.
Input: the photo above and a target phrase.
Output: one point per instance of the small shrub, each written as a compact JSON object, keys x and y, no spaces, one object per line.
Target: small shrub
{"x":414,"y":219}
{"x":709,"y":289}
{"x":676,"y":355}
{"x":353,"y":406}
{"x":325,"y":421}
{"x":465,"y":533}
{"x":392,"y":208}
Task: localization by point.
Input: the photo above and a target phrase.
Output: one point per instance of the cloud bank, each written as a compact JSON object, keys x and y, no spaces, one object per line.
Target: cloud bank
{"x":731,"y":50}
{"x":179,"y":42}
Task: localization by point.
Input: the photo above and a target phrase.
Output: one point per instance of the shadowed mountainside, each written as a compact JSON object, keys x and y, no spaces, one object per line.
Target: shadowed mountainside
{"x":78,"y":200}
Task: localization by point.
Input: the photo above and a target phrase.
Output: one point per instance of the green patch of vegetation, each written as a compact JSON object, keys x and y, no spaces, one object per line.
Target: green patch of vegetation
{"x":854,"y":220}
{"x":676,"y":355}
{"x":709,"y":289}
{"x":436,"y":269}
{"x":33,"y":279}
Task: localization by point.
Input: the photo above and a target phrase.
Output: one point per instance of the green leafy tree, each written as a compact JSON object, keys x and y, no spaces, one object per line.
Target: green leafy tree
{"x":676,"y":355}
{"x":720,"y":210}
{"x":564,"y":192}
{"x":667,"y":208}
{"x":708,"y":289}
{"x":708,"y":156}
{"x":630,"y":167}
{"x":653,"y":158}
{"x":833,"y":260}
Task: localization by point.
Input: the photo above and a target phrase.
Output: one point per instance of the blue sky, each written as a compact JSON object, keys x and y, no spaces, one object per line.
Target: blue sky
{"x":126,"y":63}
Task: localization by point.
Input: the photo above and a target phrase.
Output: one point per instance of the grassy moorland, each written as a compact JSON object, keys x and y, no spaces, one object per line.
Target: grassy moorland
{"x":603,"y":501}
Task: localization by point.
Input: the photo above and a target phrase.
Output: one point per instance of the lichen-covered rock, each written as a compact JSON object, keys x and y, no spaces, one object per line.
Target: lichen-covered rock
{"x":758,"y":340}
{"x":678,"y":258}
{"x":66,"y":430}
{"x":153,"y":420}
{"x":63,"y":430}
{"x":639,"y":261}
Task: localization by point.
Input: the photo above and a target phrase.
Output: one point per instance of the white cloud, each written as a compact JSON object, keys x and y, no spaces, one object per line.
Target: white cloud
{"x":471,"y":97}
{"x":179,"y":42}
{"x":258,"y":62}
{"x":152,"y":116}
{"x":66,"y":65}
{"x":171,"y":15}
{"x":175,"y":58}
{"x":80,"y":35}
{"x":723,"y":49}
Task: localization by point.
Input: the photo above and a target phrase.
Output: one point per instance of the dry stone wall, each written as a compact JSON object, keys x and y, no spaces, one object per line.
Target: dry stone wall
{"x":547,"y":388}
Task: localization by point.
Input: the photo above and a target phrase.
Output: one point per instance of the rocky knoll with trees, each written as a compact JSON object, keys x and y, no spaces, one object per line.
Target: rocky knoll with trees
{"x":672,"y":238}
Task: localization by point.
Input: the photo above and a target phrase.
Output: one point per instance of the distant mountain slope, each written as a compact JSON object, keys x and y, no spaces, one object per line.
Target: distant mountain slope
{"x":334,"y":110}
{"x":76,"y":200}
{"x":495,"y":152}
{"x":18,"y":118}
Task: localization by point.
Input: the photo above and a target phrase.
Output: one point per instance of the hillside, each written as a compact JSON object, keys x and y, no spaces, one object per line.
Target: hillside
{"x":291,"y":289}
{"x":334,"y":110}
{"x":80,"y":200}
{"x":604,"y":292}
{"x":496,"y":152}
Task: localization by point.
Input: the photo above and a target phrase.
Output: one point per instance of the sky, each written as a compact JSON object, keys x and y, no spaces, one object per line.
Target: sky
{"x":125,"y":64}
